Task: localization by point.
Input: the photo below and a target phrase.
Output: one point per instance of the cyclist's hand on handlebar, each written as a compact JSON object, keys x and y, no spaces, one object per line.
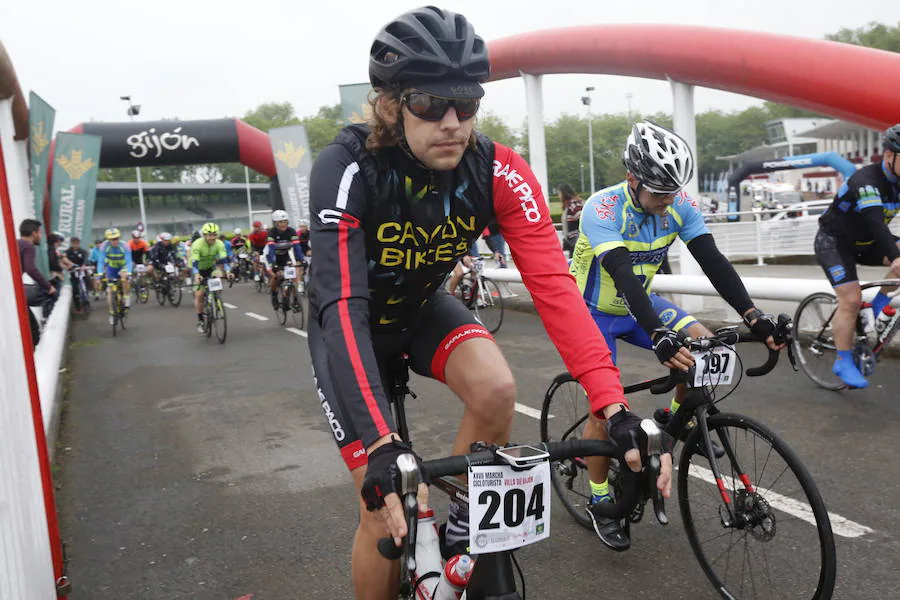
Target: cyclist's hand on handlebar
{"x":624,"y":428}
{"x":763,"y":326}
{"x":667,"y":345}
{"x":380,"y":485}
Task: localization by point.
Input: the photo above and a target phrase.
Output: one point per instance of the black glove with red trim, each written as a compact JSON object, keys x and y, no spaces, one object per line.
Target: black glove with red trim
{"x":382,"y":475}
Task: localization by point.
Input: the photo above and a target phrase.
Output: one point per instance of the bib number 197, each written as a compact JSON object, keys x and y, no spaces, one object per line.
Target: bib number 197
{"x":714,"y":367}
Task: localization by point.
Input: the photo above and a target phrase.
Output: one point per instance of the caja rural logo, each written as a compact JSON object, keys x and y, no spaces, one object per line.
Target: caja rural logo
{"x":74,"y":165}
{"x":290,"y":155}
{"x":39,"y":139}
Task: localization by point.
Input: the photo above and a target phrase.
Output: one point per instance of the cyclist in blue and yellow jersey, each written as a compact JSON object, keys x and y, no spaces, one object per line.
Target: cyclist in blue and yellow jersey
{"x":624,"y":235}
{"x":114,"y":262}
{"x":206,"y":252}
{"x":854,"y":230}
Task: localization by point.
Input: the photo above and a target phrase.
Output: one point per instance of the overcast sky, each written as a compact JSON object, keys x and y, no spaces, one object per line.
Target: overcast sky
{"x":198,"y":59}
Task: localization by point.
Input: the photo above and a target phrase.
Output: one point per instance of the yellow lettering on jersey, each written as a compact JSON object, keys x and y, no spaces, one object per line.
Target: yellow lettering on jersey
{"x":444,"y":253}
{"x":391,"y":257}
{"x":383,"y":320}
{"x":470,"y":226}
{"x":429,"y":236}
{"x":382,"y":232}
{"x":408,"y":234}
{"x":396,"y":300}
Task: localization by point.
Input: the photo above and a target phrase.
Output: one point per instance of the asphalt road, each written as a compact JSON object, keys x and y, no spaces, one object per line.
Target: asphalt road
{"x":189,"y":469}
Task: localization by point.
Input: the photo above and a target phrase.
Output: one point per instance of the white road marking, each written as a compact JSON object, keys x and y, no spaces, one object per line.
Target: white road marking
{"x":530,"y":412}
{"x":839,"y":525}
{"x":256,"y":316}
{"x":229,"y":305}
{"x":296,"y":331}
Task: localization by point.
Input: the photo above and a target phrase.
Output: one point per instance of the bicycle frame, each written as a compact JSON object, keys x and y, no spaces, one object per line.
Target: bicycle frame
{"x":881,"y":340}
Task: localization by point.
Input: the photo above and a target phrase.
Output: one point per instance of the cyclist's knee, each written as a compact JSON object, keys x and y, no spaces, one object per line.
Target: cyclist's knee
{"x":494,"y":399}
{"x":849,"y":297}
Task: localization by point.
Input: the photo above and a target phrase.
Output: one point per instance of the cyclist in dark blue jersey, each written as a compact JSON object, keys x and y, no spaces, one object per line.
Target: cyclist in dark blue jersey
{"x":854,"y":230}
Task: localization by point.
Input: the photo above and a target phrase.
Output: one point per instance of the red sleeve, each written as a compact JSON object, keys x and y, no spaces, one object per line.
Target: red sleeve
{"x":524,"y":220}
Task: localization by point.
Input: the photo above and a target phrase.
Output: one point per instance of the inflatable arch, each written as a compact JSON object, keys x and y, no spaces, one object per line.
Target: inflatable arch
{"x":158,"y":143}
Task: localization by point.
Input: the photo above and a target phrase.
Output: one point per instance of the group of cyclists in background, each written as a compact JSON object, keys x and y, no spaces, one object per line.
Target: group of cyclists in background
{"x":261,"y":256}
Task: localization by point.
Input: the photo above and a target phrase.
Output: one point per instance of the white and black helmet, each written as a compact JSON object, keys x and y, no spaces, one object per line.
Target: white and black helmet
{"x":661,"y":160}
{"x":279,"y":215}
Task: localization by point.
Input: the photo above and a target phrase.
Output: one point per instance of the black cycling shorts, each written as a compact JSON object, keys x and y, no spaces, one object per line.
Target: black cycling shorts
{"x":441,"y":325}
{"x":839,"y":258}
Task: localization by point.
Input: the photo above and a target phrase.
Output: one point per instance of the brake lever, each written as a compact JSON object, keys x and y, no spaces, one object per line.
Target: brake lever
{"x":409,"y":487}
{"x":654,"y":465}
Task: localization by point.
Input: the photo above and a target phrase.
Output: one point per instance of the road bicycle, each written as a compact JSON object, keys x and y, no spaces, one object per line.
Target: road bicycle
{"x":481,"y":295}
{"x":243,"y":270}
{"x":748,"y":492}
{"x":119,"y":312}
{"x":814,"y":338}
{"x":82,"y":295}
{"x":289,"y":301}
{"x":214,"y":317}
{"x":168,"y":286}
{"x":509,"y":508}
{"x":139,"y":284}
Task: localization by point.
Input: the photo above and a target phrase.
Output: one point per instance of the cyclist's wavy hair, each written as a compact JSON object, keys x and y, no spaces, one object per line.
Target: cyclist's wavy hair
{"x":386,"y":119}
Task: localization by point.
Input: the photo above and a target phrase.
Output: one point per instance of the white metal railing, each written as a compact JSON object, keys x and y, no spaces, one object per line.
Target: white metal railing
{"x":765,"y":234}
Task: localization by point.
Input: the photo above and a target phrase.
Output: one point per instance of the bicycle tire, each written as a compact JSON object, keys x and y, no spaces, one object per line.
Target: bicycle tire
{"x":690,"y":494}
{"x":297,"y":316}
{"x":175,"y":294}
{"x":569,"y":478}
{"x":491,"y":315}
{"x":162,"y":292}
{"x":280,"y":311}
{"x":815,"y":351}
{"x":208,"y":315}
{"x":220,"y":321}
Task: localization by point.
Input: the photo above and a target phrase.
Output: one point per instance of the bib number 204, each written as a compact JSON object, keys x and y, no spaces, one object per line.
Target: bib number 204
{"x":516,"y":506}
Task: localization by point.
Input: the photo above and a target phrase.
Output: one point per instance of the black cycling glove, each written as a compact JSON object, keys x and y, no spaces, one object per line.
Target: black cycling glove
{"x":382,"y":475}
{"x":624,"y":428}
{"x":764,"y":326}
{"x":666,"y":343}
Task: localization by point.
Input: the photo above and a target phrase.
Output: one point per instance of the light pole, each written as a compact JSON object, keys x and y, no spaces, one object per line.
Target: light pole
{"x":582,"y":177}
{"x":586,"y":100}
{"x":133,"y":111}
{"x":628,"y":98}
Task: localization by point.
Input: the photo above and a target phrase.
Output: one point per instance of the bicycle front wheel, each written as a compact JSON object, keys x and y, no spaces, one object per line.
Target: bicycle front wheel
{"x":297,"y":309}
{"x":814,"y":339}
{"x":562,"y":418}
{"x":281,"y":311}
{"x":162,"y":292}
{"x":488,"y":304}
{"x":777,"y":542}
{"x":174,"y":294}
{"x":220,"y":321}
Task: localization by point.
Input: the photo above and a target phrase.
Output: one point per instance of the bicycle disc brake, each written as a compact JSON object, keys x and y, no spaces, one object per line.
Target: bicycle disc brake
{"x":756,"y":514}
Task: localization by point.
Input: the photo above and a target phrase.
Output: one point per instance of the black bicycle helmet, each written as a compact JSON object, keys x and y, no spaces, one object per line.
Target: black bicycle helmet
{"x":433,"y":50}
{"x":892,"y":138}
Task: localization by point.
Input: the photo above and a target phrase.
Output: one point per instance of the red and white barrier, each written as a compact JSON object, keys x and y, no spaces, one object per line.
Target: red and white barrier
{"x":30,"y":549}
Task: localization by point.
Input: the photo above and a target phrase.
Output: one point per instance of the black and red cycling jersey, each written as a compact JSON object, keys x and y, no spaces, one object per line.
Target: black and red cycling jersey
{"x":388,"y":231}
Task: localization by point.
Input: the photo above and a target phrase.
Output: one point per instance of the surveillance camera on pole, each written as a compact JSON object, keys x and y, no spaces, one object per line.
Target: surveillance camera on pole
{"x":133,"y":111}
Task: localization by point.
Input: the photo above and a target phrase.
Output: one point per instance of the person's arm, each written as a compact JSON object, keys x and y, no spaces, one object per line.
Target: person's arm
{"x":222,"y":256}
{"x":129,"y":267}
{"x":270,"y":250}
{"x":524,"y":220}
{"x":337,"y":201}
{"x":195,"y":258}
{"x":884,"y":239}
{"x":29,"y":266}
{"x":617,"y":262}
{"x":295,"y":247}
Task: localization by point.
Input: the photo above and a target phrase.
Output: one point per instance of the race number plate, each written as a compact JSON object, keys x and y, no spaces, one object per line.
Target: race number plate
{"x":215,"y":284}
{"x":139,"y":268}
{"x":242,"y":255}
{"x":509,"y":509}
{"x":714,"y":367}
{"x":477,"y":266}
{"x":290,"y":273}
{"x":170,"y":269}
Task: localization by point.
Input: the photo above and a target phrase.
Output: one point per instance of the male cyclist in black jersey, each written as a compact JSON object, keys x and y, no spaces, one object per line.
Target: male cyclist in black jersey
{"x":282,"y":240}
{"x":393,"y":207}
{"x":854,"y":230}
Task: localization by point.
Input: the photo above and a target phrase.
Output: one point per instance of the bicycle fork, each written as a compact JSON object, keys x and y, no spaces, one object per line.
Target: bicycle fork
{"x":727,"y":511}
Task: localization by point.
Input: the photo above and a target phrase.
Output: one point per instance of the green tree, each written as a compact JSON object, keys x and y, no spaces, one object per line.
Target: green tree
{"x":498,"y":130}
{"x":873,"y":35}
{"x":323,"y":127}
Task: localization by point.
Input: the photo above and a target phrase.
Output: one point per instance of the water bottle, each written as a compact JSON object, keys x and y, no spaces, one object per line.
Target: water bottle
{"x":884,"y":319}
{"x":428,"y":552}
{"x":454,"y":578}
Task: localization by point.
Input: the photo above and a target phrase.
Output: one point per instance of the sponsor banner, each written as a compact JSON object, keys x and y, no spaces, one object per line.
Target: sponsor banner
{"x":293,"y":162}
{"x":355,"y":106}
{"x":40,"y":122}
{"x":74,"y":186}
{"x":151,"y":143}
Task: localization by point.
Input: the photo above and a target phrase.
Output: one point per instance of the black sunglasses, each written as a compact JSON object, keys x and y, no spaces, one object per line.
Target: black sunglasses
{"x":433,"y":108}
